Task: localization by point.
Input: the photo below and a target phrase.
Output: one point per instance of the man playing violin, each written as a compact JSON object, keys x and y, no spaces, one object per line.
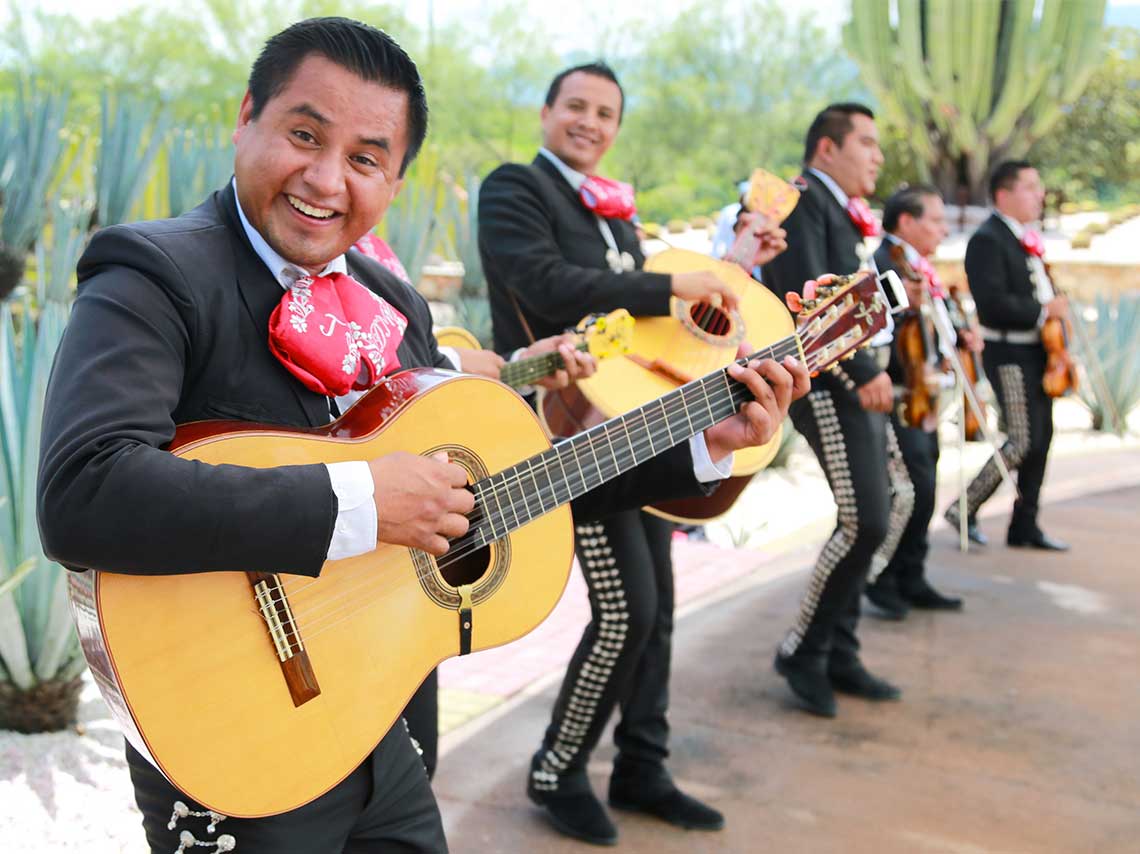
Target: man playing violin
{"x":914,"y":224}
{"x":1014,"y":297}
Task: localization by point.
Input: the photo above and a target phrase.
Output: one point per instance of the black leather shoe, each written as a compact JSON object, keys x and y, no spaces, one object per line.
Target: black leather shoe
{"x":853,"y":678}
{"x":1036,"y":540}
{"x":973,"y":533}
{"x":668,"y":804}
{"x":577,"y":814}
{"x":927,"y":598}
{"x":808,"y":681}
{"x":889,"y":605}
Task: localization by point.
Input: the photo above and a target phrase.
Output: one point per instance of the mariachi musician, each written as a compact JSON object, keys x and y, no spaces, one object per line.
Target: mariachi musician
{"x":1015,"y":299}
{"x":914,"y":223}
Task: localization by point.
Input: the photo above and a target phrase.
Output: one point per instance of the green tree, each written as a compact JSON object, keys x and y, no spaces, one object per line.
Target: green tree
{"x":978,"y":82}
{"x":1094,"y":150}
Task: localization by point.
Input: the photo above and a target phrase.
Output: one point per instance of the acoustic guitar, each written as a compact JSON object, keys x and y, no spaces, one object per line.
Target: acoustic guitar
{"x":255,"y":693}
{"x":694,"y":338}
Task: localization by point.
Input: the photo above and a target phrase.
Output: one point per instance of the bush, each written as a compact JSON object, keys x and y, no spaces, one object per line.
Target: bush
{"x":1069,"y":207}
{"x":651,"y":229}
{"x":1096,"y":227}
{"x":700,"y":222}
{"x":1081,"y":240}
{"x":677,"y":226}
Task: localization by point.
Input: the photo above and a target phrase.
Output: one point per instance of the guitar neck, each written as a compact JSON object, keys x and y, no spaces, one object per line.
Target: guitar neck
{"x":533,"y":368}
{"x":511,"y":498}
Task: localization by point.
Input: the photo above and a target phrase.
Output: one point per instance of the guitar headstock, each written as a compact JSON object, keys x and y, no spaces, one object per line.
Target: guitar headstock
{"x":608,"y":335}
{"x":841,"y":314}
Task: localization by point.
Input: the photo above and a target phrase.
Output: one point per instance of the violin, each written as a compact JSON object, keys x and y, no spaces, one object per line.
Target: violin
{"x":971,"y":365}
{"x":1060,"y":369}
{"x":914,"y":345}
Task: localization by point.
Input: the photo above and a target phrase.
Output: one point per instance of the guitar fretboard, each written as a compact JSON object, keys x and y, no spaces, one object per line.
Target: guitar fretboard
{"x":534,"y":368}
{"x":515,"y":496}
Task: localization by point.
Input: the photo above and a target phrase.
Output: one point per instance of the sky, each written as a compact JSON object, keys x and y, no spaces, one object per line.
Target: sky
{"x":575,"y":34}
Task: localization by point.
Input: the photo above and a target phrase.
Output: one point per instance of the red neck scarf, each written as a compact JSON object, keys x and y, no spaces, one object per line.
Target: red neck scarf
{"x":933,"y":284}
{"x":608,"y":199}
{"x":333,"y":334}
{"x":1032,"y":243}
{"x":860,"y":213}
{"x":378,"y":250}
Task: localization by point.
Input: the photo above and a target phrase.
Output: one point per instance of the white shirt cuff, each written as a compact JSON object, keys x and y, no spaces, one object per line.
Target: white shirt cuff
{"x":355,"y":529}
{"x":704,"y":468}
{"x":452,"y":355}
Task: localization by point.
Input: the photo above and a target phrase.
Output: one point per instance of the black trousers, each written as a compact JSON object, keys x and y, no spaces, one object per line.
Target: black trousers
{"x":385,"y":806}
{"x":873,"y":496}
{"x":422,"y":715}
{"x":623,"y":657}
{"x":906,"y":568}
{"x":1016,"y":371}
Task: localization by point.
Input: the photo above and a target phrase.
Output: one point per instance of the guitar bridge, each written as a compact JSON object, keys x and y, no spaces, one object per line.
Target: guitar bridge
{"x":273,"y":605}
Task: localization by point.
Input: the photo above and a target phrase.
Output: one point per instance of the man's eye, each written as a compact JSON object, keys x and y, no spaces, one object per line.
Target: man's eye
{"x":304,"y":136}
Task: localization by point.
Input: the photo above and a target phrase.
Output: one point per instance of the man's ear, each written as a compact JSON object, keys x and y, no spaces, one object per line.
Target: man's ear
{"x":244,"y":116}
{"x":396,"y":188}
{"x":544,"y":112}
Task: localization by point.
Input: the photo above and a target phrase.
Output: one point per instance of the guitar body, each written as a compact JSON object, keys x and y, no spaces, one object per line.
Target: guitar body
{"x":668,"y":351}
{"x":188,"y":665}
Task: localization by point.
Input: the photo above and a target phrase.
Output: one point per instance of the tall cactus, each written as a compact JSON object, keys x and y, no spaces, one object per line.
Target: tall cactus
{"x":977,"y":82}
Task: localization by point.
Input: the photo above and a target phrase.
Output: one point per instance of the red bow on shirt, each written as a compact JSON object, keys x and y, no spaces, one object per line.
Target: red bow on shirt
{"x":378,"y":250}
{"x":860,"y":213}
{"x":934,"y":285}
{"x":333,"y":334}
{"x":1032,"y":243}
{"x":607,"y":198}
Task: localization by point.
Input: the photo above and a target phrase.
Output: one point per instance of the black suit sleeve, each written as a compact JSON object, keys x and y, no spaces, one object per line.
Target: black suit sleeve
{"x":998,"y":306}
{"x":806,"y":258}
{"x":108,"y":497}
{"x":520,"y":252}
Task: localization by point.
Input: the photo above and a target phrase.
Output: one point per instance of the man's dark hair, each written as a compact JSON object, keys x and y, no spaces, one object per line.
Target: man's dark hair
{"x":366,"y":51}
{"x":833,"y":122}
{"x":908,"y":199}
{"x":598,"y":69}
{"x":1005,"y":175}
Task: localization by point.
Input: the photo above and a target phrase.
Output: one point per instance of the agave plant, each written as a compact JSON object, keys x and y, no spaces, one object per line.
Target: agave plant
{"x":472,"y":309}
{"x":463,"y":228}
{"x":410,"y":225}
{"x":30,"y":125}
{"x":40,"y":660}
{"x":199,"y":160}
{"x":131,"y":135}
{"x":1111,"y":386}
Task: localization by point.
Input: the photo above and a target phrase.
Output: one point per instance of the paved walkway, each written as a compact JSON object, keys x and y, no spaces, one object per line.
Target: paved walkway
{"x":1018,"y":731}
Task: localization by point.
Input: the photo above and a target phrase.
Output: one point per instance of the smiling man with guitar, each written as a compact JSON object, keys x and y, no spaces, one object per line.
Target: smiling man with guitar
{"x":557,"y":242}
{"x":259,"y":597}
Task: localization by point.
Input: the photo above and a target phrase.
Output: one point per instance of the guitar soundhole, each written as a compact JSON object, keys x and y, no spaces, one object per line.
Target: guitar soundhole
{"x":466,"y":568}
{"x":710,"y":319}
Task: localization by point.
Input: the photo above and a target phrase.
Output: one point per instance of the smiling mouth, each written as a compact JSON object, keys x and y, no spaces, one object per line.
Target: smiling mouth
{"x":308,"y":210}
